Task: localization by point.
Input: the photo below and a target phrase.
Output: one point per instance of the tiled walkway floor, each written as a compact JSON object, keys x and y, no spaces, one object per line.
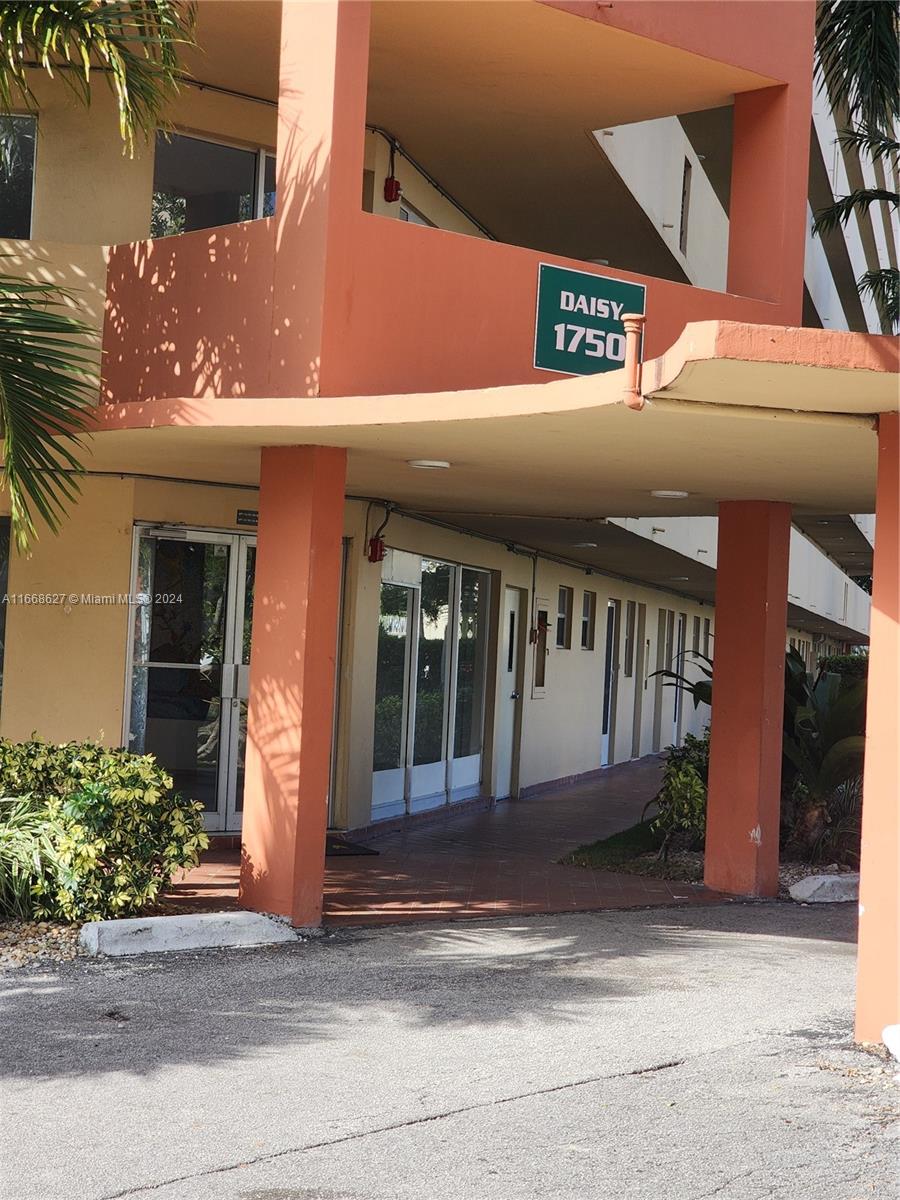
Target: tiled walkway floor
{"x":495,"y":863}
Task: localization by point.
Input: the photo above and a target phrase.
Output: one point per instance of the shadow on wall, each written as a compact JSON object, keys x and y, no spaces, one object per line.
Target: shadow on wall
{"x":192,"y":315}
{"x":559,"y":970}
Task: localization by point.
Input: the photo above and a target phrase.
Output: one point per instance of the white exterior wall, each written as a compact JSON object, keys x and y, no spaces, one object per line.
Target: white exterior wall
{"x":825,"y":131}
{"x":819,"y":280}
{"x":866,"y":525}
{"x":561,"y":724}
{"x":816,"y":582}
{"x":649,"y":157}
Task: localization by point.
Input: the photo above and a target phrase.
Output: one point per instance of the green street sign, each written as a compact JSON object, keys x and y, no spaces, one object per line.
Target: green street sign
{"x":578,"y":328}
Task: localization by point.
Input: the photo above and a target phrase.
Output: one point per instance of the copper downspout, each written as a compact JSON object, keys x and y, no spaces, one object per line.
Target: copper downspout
{"x":634,"y":331}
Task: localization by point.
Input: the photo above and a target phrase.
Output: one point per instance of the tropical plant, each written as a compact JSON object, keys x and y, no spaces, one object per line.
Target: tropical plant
{"x":682,"y":807}
{"x":133,"y":45}
{"x":27,"y":855}
{"x":93,"y":832}
{"x":858,"y":52}
{"x":839,"y":838}
{"x":700,"y":689}
{"x":47,"y":381}
{"x":47,"y":386}
{"x":823,"y":753}
{"x":681,"y":801}
{"x":823,"y":727}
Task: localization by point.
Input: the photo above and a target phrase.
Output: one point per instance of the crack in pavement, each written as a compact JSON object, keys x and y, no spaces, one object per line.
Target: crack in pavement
{"x":275,"y":1155}
{"x":412,"y":1122}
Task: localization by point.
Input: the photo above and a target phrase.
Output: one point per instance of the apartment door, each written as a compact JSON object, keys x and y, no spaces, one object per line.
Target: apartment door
{"x":510,"y":690}
{"x":429,"y":688}
{"x":190,"y":662}
{"x":610,"y":679}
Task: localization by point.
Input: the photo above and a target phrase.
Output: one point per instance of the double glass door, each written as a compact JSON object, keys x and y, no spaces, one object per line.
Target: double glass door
{"x":430,"y":686}
{"x":190,"y":662}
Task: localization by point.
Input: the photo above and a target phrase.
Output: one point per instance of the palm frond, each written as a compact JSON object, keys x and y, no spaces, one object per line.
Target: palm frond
{"x":858,"y":201}
{"x":134,"y":45}
{"x":884,"y":288}
{"x":47,"y":386}
{"x":857,"y":50}
{"x":27,"y":855}
{"x":875,"y":145}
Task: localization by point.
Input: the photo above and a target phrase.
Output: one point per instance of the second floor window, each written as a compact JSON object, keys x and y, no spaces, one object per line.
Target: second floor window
{"x":564,"y":618}
{"x":17,"y":144}
{"x":198,"y":184}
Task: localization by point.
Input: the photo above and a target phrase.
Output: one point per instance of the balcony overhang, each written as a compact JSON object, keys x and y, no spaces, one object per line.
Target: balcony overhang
{"x":841,"y":539}
{"x":734,"y":412}
{"x":498,"y":100}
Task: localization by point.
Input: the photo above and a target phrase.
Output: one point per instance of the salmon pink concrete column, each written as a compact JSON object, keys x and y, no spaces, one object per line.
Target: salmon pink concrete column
{"x":292,"y":663}
{"x":748,"y":698}
{"x":878,"y":972}
{"x":767,"y":211}
{"x":323,"y":80}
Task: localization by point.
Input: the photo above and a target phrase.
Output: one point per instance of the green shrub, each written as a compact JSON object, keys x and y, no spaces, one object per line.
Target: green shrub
{"x":681,"y":801}
{"x":116,"y":828}
{"x":694,"y":751}
{"x":681,"y":806}
{"x":854,"y":665}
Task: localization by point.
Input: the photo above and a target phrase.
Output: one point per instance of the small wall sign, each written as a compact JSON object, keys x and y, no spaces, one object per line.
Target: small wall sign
{"x":578,"y":326}
{"x":247,"y":516}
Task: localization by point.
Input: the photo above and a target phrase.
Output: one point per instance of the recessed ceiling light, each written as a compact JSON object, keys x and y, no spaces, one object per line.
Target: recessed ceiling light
{"x":668,"y":494}
{"x":679,"y":578}
{"x":585,"y":545}
{"x":427,"y":464}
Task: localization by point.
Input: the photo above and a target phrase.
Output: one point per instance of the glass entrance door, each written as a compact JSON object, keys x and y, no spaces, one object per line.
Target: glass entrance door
{"x":430,"y":687}
{"x":190,"y":662}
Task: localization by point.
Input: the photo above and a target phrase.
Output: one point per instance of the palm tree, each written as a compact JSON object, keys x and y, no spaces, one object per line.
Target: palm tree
{"x":857,"y":51}
{"x":47,"y":380}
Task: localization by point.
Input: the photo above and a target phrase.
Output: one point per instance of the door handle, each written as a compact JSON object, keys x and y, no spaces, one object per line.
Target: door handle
{"x":514,"y":696}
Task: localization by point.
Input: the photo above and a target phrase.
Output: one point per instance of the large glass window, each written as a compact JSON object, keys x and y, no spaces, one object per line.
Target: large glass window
{"x":564,"y":618}
{"x":471,"y":668}
{"x":179,"y":638}
{"x":433,"y":662}
{"x":198,"y":184}
{"x":433,"y":650}
{"x":17,"y":145}
{"x":588,"y":619}
{"x":390,"y":680}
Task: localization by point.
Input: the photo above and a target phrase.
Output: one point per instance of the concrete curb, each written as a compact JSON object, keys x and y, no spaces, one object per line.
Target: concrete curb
{"x":193,"y":931}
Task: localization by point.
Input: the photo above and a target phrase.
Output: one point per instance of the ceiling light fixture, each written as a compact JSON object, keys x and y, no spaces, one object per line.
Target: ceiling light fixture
{"x":668,"y":494}
{"x":427,"y":464}
{"x":585,"y":545}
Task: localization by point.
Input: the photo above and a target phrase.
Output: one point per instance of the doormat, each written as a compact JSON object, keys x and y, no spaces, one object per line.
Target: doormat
{"x":337,"y":847}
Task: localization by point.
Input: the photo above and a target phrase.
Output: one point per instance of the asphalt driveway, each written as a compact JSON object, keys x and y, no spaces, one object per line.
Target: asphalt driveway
{"x":679,"y":1054}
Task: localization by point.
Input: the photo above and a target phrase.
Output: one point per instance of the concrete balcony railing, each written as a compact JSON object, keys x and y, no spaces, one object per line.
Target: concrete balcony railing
{"x":190,"y":315}
{"x":406,"y":309}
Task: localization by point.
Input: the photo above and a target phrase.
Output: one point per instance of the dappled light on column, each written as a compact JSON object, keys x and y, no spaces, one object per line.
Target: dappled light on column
{"x":292,"y":664}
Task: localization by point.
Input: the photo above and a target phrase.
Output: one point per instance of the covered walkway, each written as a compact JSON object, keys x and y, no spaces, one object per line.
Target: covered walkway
{"x":500,"y":862}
